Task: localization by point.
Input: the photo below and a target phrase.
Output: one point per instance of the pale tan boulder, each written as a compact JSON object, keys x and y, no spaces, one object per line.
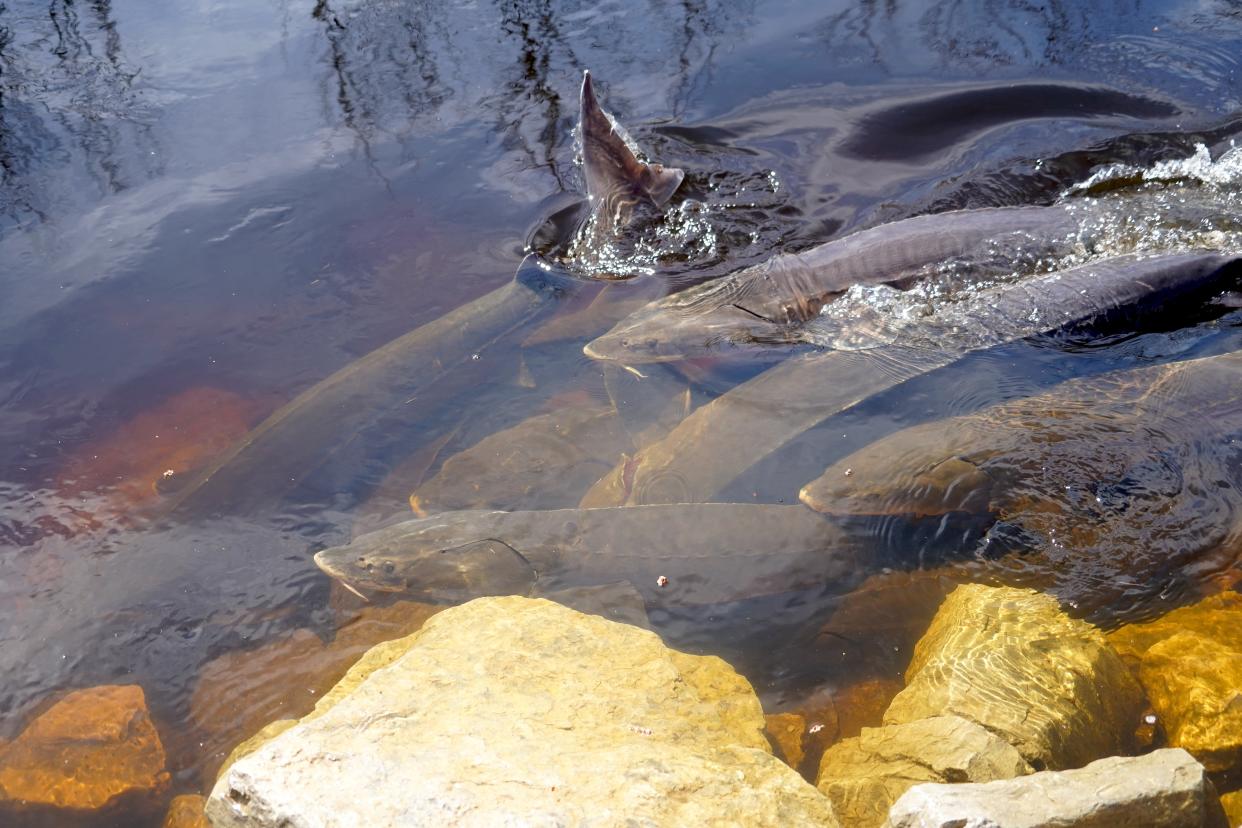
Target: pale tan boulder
{"x":520,"y":711}
{"x":865,"y":775}
{"x":1190,"y":663}
{"x":1163,"y":789}
{"x":1011,"y":661}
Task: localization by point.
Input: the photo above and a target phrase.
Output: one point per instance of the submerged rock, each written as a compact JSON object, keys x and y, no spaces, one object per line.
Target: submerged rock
{"x":514,"y":710}
{"x":1013,"y":662}
{"x":864,"y":775}
{"x":86,"y":752}
{"x":1164,"y":789}
{"x":186,"y":812}
{"x":1190,"y":664}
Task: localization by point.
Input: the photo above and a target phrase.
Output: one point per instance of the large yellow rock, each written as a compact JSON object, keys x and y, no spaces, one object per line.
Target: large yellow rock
{"x":1190,"y":663}
{"x":516,"y":710}
{"x":87,"y":750}
{"x":1013,"y":662}
{"x":866,"y":774}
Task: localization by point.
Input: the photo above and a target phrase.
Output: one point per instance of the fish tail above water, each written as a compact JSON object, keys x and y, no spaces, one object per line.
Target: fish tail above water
{"x":615,"y":176}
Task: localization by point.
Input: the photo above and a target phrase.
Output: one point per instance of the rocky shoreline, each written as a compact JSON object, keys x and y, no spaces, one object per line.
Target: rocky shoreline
{"x":523,"y":711}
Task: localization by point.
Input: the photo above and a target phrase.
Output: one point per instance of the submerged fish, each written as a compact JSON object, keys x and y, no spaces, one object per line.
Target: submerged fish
{"x":720,"y":440}
{"x":615,"y":177}
{"x":1125,"y":484}
{"x":681,"y":554}
{"x":769,"y":302}
{"x":1093,"y":430}
{"x":336,"y":421}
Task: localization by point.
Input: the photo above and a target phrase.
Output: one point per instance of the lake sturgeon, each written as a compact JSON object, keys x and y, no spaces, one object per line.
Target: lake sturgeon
{"x":710,"y":553}
{"x":720,"y":440}
{"x":341,"y":421}
{"x":768,"y":303}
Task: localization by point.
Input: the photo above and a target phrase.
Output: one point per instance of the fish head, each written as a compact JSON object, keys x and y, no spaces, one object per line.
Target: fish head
{"x":445,"y":558}
{"x":916,"y":472}
{"x":615,"y":176}
{"x":705,"y":320}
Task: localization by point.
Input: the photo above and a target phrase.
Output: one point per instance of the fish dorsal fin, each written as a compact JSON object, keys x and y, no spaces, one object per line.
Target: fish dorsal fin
{"x":614,"y":173}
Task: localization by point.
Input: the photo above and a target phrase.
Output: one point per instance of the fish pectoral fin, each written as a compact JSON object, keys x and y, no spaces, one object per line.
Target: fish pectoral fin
{"x":617,"y":601}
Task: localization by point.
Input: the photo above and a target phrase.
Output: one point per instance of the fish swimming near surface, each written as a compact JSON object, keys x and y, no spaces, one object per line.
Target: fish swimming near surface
{"x":1124,"y":482}
{"x":616,"y":178}
{"x":674,"y":555}
{"x":768,"y":303}
{"x":344,"y":421}
{"x":1092,"y":427}
{"x":720,"y":440}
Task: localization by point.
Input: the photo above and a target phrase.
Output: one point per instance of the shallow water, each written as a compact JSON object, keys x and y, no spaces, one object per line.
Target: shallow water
{"x":206,"y":209}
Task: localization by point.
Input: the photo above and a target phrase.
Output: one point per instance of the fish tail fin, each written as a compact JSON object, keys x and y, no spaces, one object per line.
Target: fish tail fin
{"x":660,"y":182}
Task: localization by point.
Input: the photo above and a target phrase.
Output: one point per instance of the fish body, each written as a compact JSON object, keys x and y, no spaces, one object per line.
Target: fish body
{"x":1120,"y":490}
{"x":706,"y":553}
{"x":720,"y":440}
{"x":768,"y":302}
{"x":1006,"y":457}
{"x":335,"y":421}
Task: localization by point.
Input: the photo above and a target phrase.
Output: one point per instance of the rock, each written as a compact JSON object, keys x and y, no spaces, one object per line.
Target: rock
{"x":1232,"y":805}
{"x":1190,"y":664}
{"x":241,"y":692}
{"x":1164,"y":789}
{"x":786,"y":732}
{"x":863,"y":704}
{"x":520,"y":711}
{"x":186,"y":812}
{"x":1013,"y":662}
{"x":866,"y":774}
{"x":86,"y":752}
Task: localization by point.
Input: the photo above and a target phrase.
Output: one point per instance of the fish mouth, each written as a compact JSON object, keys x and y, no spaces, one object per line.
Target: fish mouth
{"x":326,"y":567}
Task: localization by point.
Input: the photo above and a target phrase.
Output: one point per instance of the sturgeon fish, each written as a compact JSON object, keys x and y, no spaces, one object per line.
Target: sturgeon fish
{"x":334,"y":422}
{"x":1086,"y":433}
{"x":1122,"y":487}
{"x":615,"y":177}
{"x":705,"y":553}
{"x":720,"y":440}
{"x":769,"y":302}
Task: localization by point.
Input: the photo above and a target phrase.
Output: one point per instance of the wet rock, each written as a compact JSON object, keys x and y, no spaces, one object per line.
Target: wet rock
{"x":1012,"y":661}
{"x":878,"y":623}
{"x":91,"y":749}
{"x":518,"y":710}
{"x":1190,"y":664}
{"x":1164,"y":789}
{"x":1232,"y":805}
{"x":786,"y":732}
{"x":186,"y":812}
{"x":241,"y":692}
{"x":865,"y":775}
{"x":863,"y":704}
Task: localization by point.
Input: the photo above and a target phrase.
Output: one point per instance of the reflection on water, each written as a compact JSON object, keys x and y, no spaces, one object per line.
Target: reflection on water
{"x":209,"y":209}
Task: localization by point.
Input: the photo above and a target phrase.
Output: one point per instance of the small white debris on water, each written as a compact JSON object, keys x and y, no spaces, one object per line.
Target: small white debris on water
{"x":815,"y":728}
{"x":168,"y":473}
{"x":474,"y":357}
{"x":1150,"y":719}
{"x":642,"y":731}
{"x":849,"y":472}
{"x":662,"y":581}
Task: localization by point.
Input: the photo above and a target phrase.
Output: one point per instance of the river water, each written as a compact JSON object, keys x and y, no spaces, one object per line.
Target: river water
{"x":207,"y":208}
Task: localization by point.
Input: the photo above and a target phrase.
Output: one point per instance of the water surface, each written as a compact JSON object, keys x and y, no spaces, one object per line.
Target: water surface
{"x":206,"y":209}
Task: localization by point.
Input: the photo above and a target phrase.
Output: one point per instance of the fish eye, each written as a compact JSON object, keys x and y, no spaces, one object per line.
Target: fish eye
{"x":389,"y":567}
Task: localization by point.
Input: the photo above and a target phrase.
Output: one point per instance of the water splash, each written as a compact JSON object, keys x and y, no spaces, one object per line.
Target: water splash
{"x":1192,"y":203}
